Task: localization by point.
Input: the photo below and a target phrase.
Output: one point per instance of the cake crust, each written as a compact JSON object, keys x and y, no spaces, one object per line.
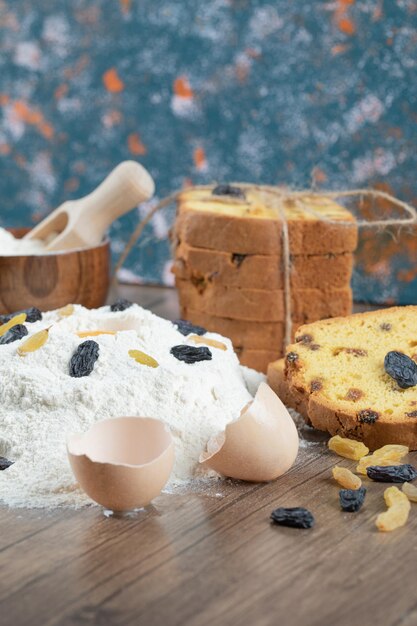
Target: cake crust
{"x":261,"y":271}
{"x":250,"y":227}
{"x":263,"y":305}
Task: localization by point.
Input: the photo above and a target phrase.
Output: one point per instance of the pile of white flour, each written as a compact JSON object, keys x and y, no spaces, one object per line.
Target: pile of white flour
{"x":41,"y":404}
{"x":10,"y":246}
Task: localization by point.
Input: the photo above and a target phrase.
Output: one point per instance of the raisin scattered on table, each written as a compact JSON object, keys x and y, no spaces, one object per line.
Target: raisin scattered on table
{"x":83,"y":360}
{"x":401,"y":368}
{"x":351,"y":500}
{"x":14,"y":334}
{"x":120,"y":305}
{"x":5,"y":463}
{"x":229,"y":190}
{"x":32,"y":315}
{"x":392,"y":473}
{"x":190,"y":354}
{"x":296,"y":517}
{"x":187,"y":328}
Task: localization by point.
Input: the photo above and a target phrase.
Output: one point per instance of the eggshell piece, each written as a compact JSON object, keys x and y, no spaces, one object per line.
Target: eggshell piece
{"x":122,"y":463}
{"x":259,"y":446}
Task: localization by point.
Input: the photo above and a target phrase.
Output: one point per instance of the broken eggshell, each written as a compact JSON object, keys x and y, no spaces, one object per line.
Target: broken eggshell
{"x":259,"y":446}
{"x":122,"y":463}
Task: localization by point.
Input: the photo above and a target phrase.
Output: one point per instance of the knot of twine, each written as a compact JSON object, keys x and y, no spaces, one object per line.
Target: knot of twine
{"x":276,"y":198}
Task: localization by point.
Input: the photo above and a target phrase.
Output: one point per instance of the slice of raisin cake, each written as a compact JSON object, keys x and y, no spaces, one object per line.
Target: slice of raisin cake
{"x":339,"y":372}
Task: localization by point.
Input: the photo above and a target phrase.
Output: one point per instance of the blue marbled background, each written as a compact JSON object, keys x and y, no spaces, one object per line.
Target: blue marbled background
{"x":276,"y":92}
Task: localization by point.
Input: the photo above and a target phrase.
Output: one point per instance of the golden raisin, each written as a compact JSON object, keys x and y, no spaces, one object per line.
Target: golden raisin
{"x":348,"y":448}
{"x":398,"y":509}
{"x":66,"y":311}
{"x":388,"y":455}
{"x":143,"y":358}
{"x":34,"y":342}
{"x":346,"y":478}
{"x":17,"y":319}
{"x":208,"y":342}
{"x":410,"y":491}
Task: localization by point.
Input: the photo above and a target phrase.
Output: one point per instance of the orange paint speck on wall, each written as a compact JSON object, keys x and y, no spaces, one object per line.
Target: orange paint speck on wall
{"x":112,"y":81}
{"x":347,"y":26}
{"x":199,"y":157}
{"x":182,"y":87}
{"x":28,"y":115}
{"x":135,"y":144}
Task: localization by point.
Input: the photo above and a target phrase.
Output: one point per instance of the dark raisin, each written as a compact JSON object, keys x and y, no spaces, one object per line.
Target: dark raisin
{"x":401,"y":368}
{"x":292,"y":357}
{"x":14,"y":334}
{"x":353,"y":394}
{"x":32,"y":315}
{"x":412,"y":414}
{"x":297,"y":517}
{"x":190,"y":354}
{"x":229,"y":190}
{"x":120,"y":305}
{"x":187,"y":328}
{"x":238,"y":259}
{"x":304,"y":338}
{"x":5,"y":463}
{"x":351,"y":500}
{"x":367,"y":416}
{"x":316,"y":385}
{"x":83,"y":360}
{"x":386,"y":326}
{"x":392,"y":473}
{"x":314,"y":347}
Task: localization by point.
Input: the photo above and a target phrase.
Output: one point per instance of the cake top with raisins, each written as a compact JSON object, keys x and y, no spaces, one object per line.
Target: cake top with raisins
{"x":257,"y":201}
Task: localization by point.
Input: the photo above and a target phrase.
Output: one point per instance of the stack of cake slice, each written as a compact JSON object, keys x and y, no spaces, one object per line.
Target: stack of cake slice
{"x":228,"y":265}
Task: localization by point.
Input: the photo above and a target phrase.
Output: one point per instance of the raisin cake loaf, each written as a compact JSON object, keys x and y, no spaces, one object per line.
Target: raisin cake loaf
{"x":261,"y":271}
{"x":247,"y":225}
{"x":263,"y":305}
{"x":340,"y":376}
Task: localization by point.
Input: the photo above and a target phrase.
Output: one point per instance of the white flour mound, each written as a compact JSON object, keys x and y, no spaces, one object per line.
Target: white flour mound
{"x":9,"y":246}
{"x":41,"y":404}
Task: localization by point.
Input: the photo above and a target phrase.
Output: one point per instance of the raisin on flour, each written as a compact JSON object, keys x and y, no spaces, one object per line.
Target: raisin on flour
{"x":84,"y":358}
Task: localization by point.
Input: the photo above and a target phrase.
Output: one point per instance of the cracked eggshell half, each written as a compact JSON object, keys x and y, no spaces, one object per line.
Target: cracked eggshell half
{"x":122,"y":463}
{"x":259,"y":446}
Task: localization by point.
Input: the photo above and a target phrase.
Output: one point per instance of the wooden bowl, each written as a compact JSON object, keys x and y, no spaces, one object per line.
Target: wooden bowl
{"x":51,"y":281}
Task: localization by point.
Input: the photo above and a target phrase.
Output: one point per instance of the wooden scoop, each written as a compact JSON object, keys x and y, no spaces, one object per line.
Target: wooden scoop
{"x":82,"y":223}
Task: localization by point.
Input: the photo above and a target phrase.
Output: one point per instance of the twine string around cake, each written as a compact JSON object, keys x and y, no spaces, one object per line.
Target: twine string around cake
{"x":278,"y":198}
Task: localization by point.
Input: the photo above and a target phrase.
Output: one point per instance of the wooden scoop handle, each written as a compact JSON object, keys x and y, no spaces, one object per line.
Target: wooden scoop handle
{"x":83,"y":222}
{"x":125,"y":187}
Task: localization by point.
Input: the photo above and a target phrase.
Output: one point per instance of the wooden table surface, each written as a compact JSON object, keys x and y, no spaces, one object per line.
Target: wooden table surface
{"x":212,"y":557}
